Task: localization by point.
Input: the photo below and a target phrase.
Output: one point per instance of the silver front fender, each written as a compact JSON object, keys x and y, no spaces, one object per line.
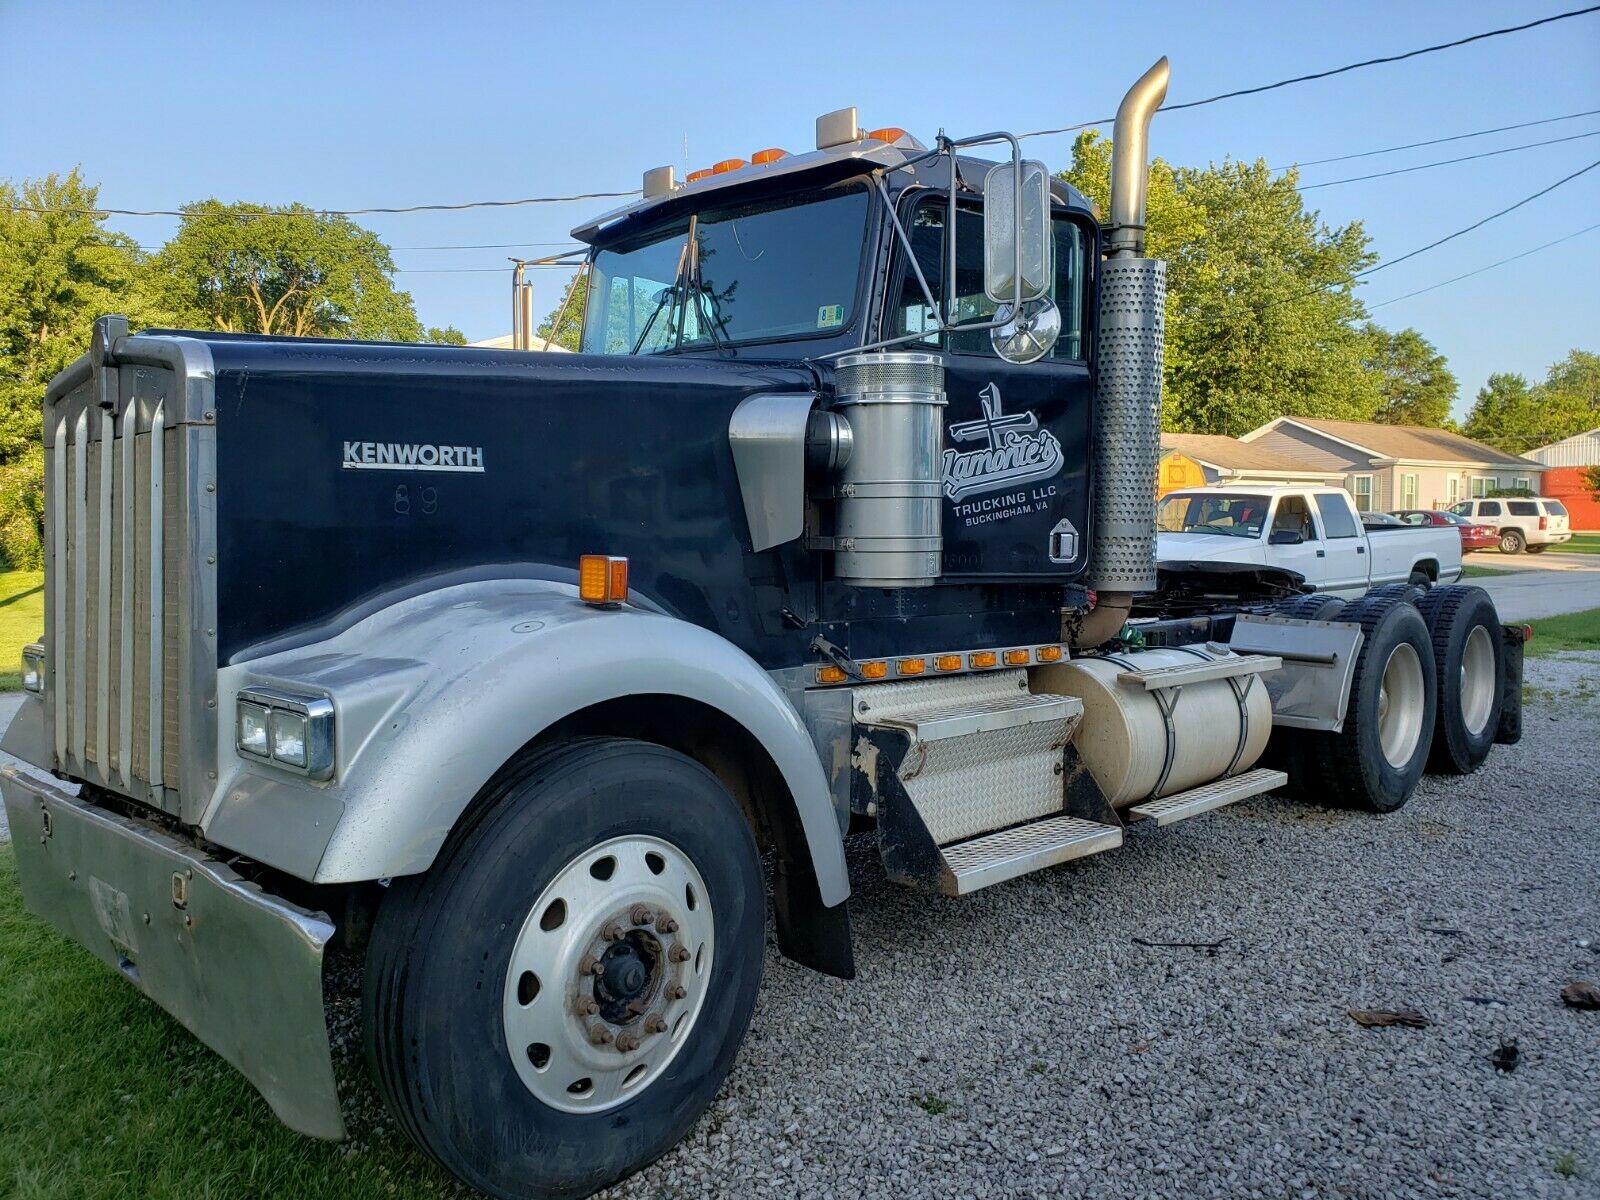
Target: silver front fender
{"x":435,"y":693}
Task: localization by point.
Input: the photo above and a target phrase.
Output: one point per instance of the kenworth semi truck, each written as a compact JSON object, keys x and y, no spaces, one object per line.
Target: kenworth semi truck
{"x":509,"y":670}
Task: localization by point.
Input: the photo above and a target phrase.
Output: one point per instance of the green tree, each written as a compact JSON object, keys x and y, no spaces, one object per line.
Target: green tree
{"x":1515,"y":418}
{"x":1576,"y":381}
{"x":1262,"y":316}
{"x":248,"y":268}
{"x":59,"y":270}
{"x":1415,"y":383}
{"x":570,"y":308}
{"x":1591,"y":480}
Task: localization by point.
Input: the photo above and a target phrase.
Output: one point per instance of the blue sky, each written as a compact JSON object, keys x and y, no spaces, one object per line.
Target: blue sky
{"x":352,"y":105}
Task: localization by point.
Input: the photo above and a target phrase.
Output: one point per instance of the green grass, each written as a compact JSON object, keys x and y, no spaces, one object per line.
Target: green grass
{"x":1481,"y":572}
{"x":1581,"y":543}
{"x":106,"y":1097}
{"x":1575,"y":631}
{"x":21,"y":621}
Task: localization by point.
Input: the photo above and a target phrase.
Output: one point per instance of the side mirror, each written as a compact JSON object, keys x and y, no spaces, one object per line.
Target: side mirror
{"x":1285,"y":537}
{"x":1002,"y":232}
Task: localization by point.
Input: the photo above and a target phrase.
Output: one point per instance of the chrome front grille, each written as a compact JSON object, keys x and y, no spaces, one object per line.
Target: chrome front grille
{"x":127,"y":691}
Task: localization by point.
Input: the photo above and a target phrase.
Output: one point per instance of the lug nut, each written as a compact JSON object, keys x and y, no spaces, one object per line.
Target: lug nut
{"x":666,"y":924}
{"x":585,"y":1006}
{"x":627,"y":1042}
{"x":612,"y":932}
{"x":590,"y":965}
{"x":676,"y":991}
{"x":678,"y":953}
{"x":642,"y":915}
{"x":655,"y":1023}
{"x":599,"y":1035}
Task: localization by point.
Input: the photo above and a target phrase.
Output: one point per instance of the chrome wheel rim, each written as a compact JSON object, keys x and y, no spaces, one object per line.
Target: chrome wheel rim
{"x":1477,"y":680}
{"x":1401,"y":703}
{"x":608,"y":974}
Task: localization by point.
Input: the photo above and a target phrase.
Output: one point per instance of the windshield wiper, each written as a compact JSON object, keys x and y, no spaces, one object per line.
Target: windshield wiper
{"x":665,"y":294}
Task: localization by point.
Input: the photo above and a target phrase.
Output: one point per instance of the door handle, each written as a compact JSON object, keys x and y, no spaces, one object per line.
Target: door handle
{"x":1361,"y":549}
{"x":1322,"y":554}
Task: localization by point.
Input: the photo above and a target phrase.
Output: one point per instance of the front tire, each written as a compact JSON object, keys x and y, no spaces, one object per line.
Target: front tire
{"x":1512,"y":541}
{"x":552,"y":1005}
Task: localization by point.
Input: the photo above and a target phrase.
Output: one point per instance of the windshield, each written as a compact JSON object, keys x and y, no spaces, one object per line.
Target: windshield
{"x":1229,"y":515}
{"x":767,"y":271}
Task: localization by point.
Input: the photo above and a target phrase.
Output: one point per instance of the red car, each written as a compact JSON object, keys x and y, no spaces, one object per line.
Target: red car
{"x":1473,"y":536}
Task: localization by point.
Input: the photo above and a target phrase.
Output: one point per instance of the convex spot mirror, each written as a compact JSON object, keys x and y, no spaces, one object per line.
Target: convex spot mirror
{"x":1002,"y":231}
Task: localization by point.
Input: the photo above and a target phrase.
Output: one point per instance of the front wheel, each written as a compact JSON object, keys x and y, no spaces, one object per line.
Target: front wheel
{"x":1512,"y":541}
{"x":553,"y":1004}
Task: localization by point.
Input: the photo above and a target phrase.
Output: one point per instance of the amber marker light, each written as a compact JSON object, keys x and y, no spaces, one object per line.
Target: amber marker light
{"x":910,"y":666}
{"x":769,"y":155}
{"x":602,"y":579}
{"x":874,"y":670}
{"x":697,"y":176}
{"x":947,"y":662}
{"x":1049,"y":654}
{"x":982,"y":658}
{"x":1016,"y":658}
{"x":830,"y":675}
{"x":728,"y":164}
{"x":889,"y":133}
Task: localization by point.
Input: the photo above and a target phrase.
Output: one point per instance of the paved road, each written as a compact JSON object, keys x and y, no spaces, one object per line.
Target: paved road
{"x":1539,"y":585}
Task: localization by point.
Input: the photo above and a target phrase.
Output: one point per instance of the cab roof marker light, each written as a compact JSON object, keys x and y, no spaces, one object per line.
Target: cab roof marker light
{"x":728,"y":164}
{"x":889,"y":133}
{"x":770,"y":155}
{"x":697,"y":176}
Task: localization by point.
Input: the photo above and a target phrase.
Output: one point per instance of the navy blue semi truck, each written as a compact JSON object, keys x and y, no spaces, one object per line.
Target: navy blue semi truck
{"x":510,"y":670}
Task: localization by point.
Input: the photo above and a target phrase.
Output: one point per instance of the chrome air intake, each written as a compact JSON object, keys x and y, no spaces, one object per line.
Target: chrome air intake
{"x":887,"y":530}
{"x":1127,"y":439}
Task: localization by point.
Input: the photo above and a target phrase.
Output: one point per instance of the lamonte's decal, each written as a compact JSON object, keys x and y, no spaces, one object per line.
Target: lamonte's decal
{"x":1013,"y":452}
{"x":411,"y":456}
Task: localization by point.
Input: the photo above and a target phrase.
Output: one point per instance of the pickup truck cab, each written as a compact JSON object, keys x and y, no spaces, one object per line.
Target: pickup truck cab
{"x":1315,"y":532}
{"x":1531,"y":523}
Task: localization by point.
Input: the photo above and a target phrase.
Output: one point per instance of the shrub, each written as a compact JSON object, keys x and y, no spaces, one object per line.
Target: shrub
{"x":22,"y":511}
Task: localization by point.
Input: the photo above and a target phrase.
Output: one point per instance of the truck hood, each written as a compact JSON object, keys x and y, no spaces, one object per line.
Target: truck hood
{"x":1208,"y":547}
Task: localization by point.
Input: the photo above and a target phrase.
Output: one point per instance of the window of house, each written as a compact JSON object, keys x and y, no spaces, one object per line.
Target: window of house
{"x":1408,"y":491}
{"x":1337,"y":518}
{"x":1453,"y":489}
{"x":927,"y":229}
{"x":1524,"y":483}
{"x":1361,"y":489}
{"x":1480,"y":485}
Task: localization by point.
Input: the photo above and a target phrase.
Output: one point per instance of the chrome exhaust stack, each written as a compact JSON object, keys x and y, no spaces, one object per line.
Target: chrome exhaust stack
{"x":1127,"y":439}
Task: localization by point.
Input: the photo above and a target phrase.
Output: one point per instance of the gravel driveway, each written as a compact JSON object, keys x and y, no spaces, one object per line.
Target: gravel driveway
{"x":1021,"y":1043}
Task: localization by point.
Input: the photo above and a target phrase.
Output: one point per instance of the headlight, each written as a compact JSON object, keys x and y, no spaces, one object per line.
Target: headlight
{"x":291,"y":730}
{"x":33,"y":668}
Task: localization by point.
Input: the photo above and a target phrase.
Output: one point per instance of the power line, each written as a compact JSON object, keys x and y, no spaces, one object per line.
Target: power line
{"x":1455,"y":137}
{"x":1445,"y":162}
{"x":1355,"y":66}
{"x":322,"y":212}
{"x":1500,"y":263}
{"x":1383,"y":266}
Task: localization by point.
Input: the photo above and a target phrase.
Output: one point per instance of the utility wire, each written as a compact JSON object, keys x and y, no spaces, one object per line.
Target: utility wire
{"x":1445,"y":162}
{"x":1455,"y":137}
{"x":1491,"y":266}
{"x":324,"y":212}
{"x":1355,"y":66}
{"x":1384,"y":266}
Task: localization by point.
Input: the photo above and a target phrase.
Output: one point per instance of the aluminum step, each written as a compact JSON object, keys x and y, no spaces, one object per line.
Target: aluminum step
{"x":1199,"y":672}
{"x":1217,"y":794}
{"x":996,"y":857}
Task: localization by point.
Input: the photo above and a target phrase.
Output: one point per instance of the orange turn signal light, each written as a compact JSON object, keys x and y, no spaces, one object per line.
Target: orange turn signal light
{"x":874,"y":670}
{"x":728,"y":164}
{"x":983,"y":658}
{"x":1049,"y":653}
{"x":947,"y":662}
{"x":1016,"y":658}
{"x":770,"y":154}
{"x":602,"y":579}
{"x":910,"y":666}
{"x":889,"y":133}
{"x":830,"y":675}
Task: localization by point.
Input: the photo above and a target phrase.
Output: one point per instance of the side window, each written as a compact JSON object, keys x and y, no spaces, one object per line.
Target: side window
{"x":1413,"y":518}
{"x":1489,"y":508}
{"x":1464,"y":509}
{"x":1522,"y":508}
{"x":927,"y":229}
{"x":1337,"y":518}
{"x":1294,"y":516}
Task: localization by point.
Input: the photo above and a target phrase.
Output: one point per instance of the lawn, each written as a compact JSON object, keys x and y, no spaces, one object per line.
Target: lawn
{"x":1581,"y":543}
{"x":105,"y":1096}
{"x":1482,"y":572}
{"x":21,"y":621}
{"x":1575,"y":631}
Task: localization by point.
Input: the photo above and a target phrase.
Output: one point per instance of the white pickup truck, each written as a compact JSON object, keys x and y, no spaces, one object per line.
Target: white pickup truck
{"x":1315,"y":532}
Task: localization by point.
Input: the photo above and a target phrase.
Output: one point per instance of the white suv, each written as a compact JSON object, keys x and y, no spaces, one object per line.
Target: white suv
{"x":1532,"y":523}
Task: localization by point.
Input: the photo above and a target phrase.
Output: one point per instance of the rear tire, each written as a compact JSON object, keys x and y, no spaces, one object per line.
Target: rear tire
{"x":1512,"y":541}
{"x":497,"y":944}
{"x":1466,"y":635}
{"x":1315,"y":607}
{"x":1537,"y":549}
{"x":1420,"y":579}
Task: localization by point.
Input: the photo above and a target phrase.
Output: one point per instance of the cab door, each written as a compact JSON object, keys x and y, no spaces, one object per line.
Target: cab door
{"x":1016,"y":446}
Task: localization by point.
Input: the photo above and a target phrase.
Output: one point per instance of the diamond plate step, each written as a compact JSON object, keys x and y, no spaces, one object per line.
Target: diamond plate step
{"x":1199,"y":672}
{"x":996,"y":857}
{"x":1208,"y":796}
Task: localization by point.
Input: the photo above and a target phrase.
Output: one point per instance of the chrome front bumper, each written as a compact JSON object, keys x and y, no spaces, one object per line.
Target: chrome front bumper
{"x":241,"y":969}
